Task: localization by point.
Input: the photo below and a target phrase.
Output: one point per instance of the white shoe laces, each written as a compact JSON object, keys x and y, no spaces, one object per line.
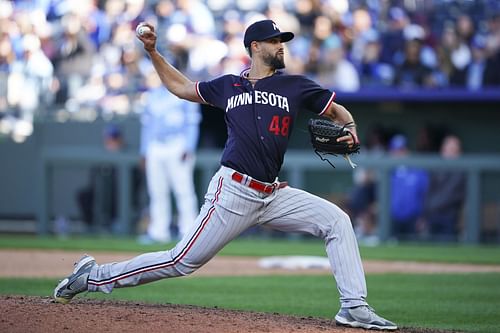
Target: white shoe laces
{"x":371,"y":312}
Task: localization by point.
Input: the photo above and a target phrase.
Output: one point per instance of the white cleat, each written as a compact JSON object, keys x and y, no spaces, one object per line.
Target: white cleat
{"x":363,"y":317}
{"x":75,"y":283}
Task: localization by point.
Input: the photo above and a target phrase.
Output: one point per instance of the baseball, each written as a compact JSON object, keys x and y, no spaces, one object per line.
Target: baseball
{"x":142,"y":29}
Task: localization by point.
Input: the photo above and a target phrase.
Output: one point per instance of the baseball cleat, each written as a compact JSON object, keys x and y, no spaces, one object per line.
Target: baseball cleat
{"x":75,"y":283}
{"x":364,"y":317}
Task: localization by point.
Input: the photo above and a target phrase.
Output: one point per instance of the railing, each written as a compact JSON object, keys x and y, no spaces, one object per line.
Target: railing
{"x":424,"y":95}
{"x":472,"y":165}
{"x":296,"y":164}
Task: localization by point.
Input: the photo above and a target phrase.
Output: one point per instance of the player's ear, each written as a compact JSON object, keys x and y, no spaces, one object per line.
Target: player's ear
{"x":254,"y":46}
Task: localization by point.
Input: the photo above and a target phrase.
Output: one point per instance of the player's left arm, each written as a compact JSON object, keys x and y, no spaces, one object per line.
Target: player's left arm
{"x":341,"y":115}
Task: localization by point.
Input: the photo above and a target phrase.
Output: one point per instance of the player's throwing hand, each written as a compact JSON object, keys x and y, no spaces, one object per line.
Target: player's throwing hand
{"x":145,"y":32}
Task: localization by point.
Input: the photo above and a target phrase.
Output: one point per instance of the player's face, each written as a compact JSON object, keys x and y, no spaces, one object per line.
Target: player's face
{"x":273,"y":54}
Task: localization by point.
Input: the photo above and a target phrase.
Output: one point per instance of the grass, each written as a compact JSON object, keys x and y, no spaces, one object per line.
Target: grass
{"x":264,"y":247}
{"x":465,"y":302}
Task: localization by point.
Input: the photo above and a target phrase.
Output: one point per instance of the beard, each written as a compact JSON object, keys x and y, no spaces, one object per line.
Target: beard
{"x":274,"y":61}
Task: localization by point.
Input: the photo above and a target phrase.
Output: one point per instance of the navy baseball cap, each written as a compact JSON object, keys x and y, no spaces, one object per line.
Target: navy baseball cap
{"x":265,"y":29}
{"x":112,"y":131}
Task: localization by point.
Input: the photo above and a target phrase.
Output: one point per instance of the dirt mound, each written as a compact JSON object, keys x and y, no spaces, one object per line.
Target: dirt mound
{"x":42,"y":314}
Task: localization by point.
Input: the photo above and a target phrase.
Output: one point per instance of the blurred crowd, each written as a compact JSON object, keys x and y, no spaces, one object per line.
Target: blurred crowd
{"x":425,"y":204}
{"x":81,"y":58}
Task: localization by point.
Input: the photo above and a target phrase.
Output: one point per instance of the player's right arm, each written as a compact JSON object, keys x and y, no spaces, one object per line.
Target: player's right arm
{"x":176,"y":82}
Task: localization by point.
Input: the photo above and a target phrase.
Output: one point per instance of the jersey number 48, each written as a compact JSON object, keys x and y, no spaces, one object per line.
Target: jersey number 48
{"x":280,"y":126}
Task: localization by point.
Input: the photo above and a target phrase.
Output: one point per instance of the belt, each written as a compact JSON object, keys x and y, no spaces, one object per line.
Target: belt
{"x":256,"y":185}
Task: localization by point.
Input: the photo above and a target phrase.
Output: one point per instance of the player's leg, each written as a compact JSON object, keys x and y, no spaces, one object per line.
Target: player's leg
{"x":158,"y":189}
{"x":294,"y":210}
{"x":227,"y":212}
{"x":183,"y":188}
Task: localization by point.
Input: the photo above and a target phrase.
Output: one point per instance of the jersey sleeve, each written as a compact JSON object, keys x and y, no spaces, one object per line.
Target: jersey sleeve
{"x":314,"y":97}
{"x":212,"y":92}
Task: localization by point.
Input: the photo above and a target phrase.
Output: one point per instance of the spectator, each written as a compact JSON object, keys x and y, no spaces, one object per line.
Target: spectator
{"x":445,"y":196}
{"x":373,"y":72}
{"x":473,"y":76}
{"x":361,"y":24}
{"x":412,"y":72}
{"x":97,"y":201}
{"x":408,"y":187}
{"x":362,"y":203}
{"x":196,"y":16}
{"x":322,"y":29}
{"x":163,"y":14}
{"x":429,"y":137}
{"x":193,"y":32}
{"x":362,"y":206}
{"x":335,"y":70}
{"x":74,"y":57}
{"x":306,"y":12}
{"x":429,"y":44}
{"x":392,"y":37}
{"x":30,"y":83}
{"x":455,"y":54}
{"x":97,"y":25}
{"x":492,"y":77}
{"x":116,"y":99}
{"x":465,"y":28}
{"x":7,"y":60}
{"x":169,"y":135}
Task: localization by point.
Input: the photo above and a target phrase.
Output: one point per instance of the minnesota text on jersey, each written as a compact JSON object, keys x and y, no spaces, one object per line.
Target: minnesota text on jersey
{"x":261,"y":97}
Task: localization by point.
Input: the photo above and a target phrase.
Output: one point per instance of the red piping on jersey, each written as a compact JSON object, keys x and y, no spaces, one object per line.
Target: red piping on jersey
{"x":172,"y":262}
{"x":330,"y":101}
{"x":198,"y":92}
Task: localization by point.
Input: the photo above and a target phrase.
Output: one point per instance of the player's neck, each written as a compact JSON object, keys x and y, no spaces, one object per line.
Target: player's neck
{"x":257,"y":72}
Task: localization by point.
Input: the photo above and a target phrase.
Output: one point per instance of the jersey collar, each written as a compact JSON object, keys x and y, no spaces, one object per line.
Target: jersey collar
{"x":244,"y":73}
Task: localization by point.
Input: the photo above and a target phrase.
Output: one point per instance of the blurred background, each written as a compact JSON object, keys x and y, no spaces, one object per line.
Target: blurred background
{"x":421,"y":77}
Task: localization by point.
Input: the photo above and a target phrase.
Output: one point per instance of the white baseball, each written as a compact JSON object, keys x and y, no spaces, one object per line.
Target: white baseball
{"x":142,"y":29}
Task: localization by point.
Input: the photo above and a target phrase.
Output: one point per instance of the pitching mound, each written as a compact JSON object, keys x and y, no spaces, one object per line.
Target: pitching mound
{"x":42,"y":314}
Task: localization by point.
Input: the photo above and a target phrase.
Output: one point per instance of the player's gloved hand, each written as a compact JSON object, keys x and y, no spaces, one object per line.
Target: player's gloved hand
{"x":148,"y":38}
{"x":350,"y":138}
{"x":331,"y":138}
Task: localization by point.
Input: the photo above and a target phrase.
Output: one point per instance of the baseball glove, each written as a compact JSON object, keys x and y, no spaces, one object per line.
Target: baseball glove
{"x":324,"y":134}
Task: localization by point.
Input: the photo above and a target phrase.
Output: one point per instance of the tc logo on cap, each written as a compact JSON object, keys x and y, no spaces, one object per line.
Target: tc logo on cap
{"x":265,"y":29}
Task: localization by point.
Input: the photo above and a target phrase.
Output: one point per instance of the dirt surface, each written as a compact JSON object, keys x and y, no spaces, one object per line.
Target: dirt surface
{"x":42,"y":314}
{"x":36,"y":314}
{"x":57,"y":264}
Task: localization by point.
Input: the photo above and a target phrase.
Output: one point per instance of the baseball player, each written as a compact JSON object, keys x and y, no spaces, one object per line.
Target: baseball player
{"x":260,"y":107}
{"x":169,"y":134}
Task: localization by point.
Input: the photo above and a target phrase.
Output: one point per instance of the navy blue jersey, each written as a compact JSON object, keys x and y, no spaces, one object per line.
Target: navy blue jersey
{"x":260,"y":118}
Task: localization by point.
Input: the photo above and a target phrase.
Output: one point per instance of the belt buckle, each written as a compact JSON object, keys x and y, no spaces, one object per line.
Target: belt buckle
{"x":269,"y":189}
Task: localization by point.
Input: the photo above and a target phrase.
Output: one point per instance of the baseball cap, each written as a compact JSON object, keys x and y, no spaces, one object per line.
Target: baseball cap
{"x":265,"y":29}
{"x":112,"y":131}
{"x":479,"y":42}
{"x":397,"y":142}
{"x":414,"y":32}
{"x":397,"y":14}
